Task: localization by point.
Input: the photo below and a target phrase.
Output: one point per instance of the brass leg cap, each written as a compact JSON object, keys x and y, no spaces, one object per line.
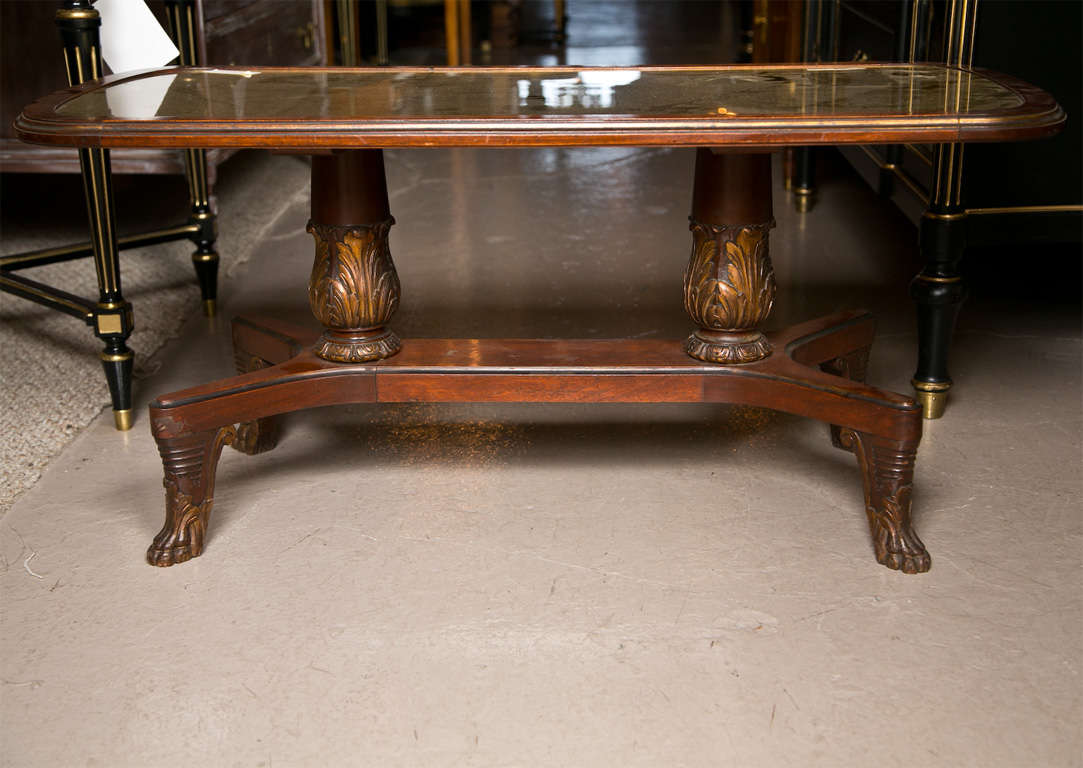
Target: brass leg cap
{"x":932,"y":404}
{"x":123,"y":419}
{"x":933,"y":397}
{"x":210,"y":307}
{"x":802,"y":199}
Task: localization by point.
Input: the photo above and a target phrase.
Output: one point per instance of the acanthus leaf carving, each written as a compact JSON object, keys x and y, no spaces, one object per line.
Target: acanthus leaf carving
{"x":729,"y":283}
{"x":354,"y":284}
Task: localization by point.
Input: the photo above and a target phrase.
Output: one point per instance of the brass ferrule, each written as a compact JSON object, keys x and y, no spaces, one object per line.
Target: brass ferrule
{"x":123,"y":419}
{"x":932,"y":404}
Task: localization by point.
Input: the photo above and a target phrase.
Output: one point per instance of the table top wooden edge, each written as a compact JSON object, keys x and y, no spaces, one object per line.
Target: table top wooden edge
{"x":1038,"y":115}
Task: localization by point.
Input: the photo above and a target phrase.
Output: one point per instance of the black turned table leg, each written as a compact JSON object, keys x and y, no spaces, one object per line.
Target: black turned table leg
{"x":938,"y":290}
{"x":803,"y":181}
{"x":181,"y":15}
{"x":729,"y":285}
{"x":113,"y":320}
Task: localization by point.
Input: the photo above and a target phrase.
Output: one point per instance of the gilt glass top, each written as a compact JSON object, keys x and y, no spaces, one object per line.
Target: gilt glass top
{"x":299,"y":106}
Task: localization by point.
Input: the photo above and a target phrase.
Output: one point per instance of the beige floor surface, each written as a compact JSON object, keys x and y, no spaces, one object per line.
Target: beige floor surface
{"x":583,"y":586}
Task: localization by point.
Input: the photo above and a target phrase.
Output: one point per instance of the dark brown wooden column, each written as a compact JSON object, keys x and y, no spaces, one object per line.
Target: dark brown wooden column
{"x":729,"y":285}
{"x":354,"y":289}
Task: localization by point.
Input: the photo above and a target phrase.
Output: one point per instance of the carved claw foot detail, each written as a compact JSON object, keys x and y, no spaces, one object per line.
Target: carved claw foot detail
{"x":887,"y":469}
{"x":189,"y":462}
{"x":851,"y":366}
{"x":261,"y":435}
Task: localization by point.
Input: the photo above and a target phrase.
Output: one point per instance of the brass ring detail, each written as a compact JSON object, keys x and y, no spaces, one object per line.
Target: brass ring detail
{"x":77,"y":13}
{"x":934,"y":279}
{"x":114,"y":357}
{"x":930,"y":386}
{"x":943,"y":216}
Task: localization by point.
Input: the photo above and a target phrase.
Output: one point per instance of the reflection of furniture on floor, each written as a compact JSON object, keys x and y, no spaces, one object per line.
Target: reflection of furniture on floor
{"x":1003,"y":196}
{"x":815,"y":370}
{"x":213,"y":31}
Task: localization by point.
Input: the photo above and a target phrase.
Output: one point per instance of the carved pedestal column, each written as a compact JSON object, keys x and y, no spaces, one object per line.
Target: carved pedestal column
{"x":729,"y":285}
{"x":354,"y":289}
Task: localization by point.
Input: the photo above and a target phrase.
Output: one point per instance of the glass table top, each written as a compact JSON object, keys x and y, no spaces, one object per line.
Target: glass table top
{"x":439,"y":102}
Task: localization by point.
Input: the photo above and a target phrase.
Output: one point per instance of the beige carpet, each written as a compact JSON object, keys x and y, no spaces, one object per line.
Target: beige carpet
{"x":50,"y":374}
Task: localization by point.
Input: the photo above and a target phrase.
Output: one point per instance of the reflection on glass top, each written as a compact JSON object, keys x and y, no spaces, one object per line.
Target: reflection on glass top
{"x":372,"y":95}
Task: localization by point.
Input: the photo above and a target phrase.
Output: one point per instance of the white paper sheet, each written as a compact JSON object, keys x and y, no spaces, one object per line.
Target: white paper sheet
{"x":131,"y":37}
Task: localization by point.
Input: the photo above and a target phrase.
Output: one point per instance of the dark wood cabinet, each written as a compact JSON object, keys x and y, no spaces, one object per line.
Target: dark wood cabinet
{"x":1030,"y":192}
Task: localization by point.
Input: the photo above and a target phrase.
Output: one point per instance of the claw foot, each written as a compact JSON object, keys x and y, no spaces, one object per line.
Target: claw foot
{"x":897,"y":547}
{"x":181,"y":538}
{"x":887,"y":469}
{"x":190,"y":462}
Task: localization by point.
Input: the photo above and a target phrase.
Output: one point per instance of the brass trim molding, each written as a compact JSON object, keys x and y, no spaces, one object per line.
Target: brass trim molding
{"x":919,"y":154}
{"x":898,"y":173}
{"x":1025,"y":209}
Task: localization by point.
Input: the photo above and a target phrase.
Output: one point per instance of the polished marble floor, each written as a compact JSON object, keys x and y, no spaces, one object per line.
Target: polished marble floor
{"x":555,"y":585}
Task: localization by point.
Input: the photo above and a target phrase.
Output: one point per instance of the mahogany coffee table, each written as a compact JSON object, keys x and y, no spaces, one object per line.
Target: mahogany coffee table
{"x":734,"y":116}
